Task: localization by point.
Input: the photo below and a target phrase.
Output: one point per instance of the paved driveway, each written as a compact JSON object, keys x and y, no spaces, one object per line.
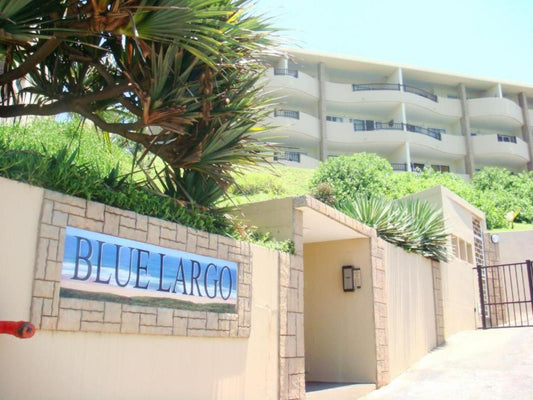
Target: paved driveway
{"x":491,"y":364}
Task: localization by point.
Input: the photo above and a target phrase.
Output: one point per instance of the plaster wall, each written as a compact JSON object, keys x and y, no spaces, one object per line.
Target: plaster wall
{"x":274,"y":216}
{"x":84,"y":365}
{"x":411,"y":308}
{"x":514,"y":247}
{"x":458,"y":278}
{"x":339,"y":326}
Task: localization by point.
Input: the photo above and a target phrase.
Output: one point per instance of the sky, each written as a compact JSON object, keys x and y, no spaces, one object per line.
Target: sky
{"x":485,"y":38}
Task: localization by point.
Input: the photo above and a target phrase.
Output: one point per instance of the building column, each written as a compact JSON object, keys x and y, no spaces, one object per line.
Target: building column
{"x":323,"y":144}
{"x":408,"y":157}
{"x":526,"y":128}
{"x":465,"y":130}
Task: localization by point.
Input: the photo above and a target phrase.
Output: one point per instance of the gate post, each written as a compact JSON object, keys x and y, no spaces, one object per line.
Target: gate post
{"x":481,"y":297}
{"x":530,"y":279}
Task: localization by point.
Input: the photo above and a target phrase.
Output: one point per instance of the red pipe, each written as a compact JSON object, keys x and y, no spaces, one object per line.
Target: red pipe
{"x":20,"y":329}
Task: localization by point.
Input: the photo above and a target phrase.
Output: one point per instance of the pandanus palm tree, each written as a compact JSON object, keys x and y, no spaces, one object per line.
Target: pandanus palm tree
{"x":179,"y":77}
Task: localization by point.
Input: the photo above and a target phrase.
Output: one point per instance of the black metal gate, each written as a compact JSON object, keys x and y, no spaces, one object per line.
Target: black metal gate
{"x":506,"y":295}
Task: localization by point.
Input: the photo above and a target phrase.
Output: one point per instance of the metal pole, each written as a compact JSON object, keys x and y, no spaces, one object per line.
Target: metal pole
{"x":530,"y":279}
{"x":480,"y":283}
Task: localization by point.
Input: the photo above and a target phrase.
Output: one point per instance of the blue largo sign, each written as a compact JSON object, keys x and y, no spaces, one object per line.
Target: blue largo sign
{"x":95,"y":262}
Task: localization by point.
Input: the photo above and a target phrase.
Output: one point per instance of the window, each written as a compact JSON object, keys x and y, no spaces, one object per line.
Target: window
{"x":334,"y":119}
{"x":440,"y":168}
{"x":417,"y":166}
{"x":462,"y":249}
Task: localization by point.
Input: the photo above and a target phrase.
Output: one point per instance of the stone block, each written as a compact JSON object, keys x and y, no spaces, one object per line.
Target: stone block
{"x":59,"y":218}
{"x":132,"y":233}
{"x":287,"y":346}
{"x":181,"y":234}
{"x":191,"y":241}
{"x":292,"y":300}
{"x":87,"y":326}
{"x":148,"y":319}
{"x":154,"y":232}
{"x":112,"y":312}
{"x":202,"y":242}
{"x":49,"y":232}
{"x":165,"y":316}
{"x":49,"y":323}
{"x":70,"y":209}
{"x":43,"y":288}
{"x":52,"y":251}
{"x":92,"y":316}
{"x":47,"y":211}
{"x":111,"y":224}
{"x":212,"y":321}
{"x":130,"y":322}
{"x":142,"y":223}
{"x":197,"y":323}
{"x":95,"y":211}
{"x":84,"y":223}
{"x":128,"y":221}
{"x":69,"y":320}
{"x":36,"y":311}
{"x":223,"y":325}
{"x":53,"y":271}
{"x":244,"y":332}
{"x":169,"y":234}
{"x":294,"y":387}
{"x":180,"y":326}
{"x":47,"y":307}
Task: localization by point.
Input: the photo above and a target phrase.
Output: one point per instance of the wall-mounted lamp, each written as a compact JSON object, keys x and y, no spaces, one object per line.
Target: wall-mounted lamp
{"x":351,"y":278}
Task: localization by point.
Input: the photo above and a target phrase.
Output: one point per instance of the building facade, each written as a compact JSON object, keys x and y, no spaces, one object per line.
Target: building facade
{"x":334,"y":105}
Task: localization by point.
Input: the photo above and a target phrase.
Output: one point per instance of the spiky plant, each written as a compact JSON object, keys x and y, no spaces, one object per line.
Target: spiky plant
{"x":178,"y":77}
{"x":412,"y":225}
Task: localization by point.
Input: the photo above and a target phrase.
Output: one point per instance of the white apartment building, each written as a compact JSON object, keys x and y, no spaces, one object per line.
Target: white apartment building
{"x":333,"y":105}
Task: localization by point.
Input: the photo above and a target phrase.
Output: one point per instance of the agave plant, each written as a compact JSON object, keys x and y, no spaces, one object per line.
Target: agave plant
{"x":413,"y":225}
{"x":178,"y":77}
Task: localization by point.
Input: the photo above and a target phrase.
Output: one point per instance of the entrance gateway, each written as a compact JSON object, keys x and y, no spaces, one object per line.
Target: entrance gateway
{"x":506,"y":295}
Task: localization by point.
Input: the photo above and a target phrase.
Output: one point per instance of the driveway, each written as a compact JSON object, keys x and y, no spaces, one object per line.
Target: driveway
{"x":491,"y":364}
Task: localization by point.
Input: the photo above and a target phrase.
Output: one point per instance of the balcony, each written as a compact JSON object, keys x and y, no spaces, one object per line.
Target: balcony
{"x":399,"y":167}
{"x":494,"y":113}
{"x":287,"y":114}
{"x":286,"y":72}
{"x":506,"y":138}
{"x":500,"y":150}
{"x":295,"y":128}
{"x":293,"y":156}
{"x":368,"y":125}
{"x":395,"y":86}
{"x":292,"y":81}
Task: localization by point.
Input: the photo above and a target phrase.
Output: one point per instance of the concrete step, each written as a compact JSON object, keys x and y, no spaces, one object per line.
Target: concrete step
{"x":337,"y":391}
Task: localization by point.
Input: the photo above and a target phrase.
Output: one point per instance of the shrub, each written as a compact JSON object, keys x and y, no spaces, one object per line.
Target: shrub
{"x":360,"y":174}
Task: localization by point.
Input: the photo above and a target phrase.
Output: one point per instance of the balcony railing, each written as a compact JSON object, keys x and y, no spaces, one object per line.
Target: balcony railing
{"x":431,"y":132}
{"x":368,"y":125}
{"x":506,"y":138}
{"x":293,"y":156}
{"x":394,"y":86}
{"x":399,"y":166}
{"x":286,"y":71}
{"x":287,"y":114}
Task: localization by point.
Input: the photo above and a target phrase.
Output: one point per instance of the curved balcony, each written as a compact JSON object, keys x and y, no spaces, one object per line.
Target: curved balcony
{"x":385,"y":97}
{"x":495,"y":113}
{"x":502,"y":150}
{"x":293,"y":81}
{"x":383,"y":138}
{"x":294,"y":128}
